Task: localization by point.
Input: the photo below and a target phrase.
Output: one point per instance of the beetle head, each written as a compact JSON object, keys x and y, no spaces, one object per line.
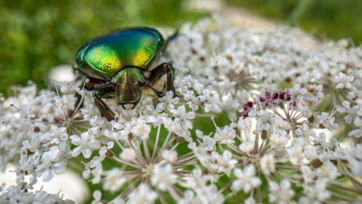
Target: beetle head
{"x":128,"y":90}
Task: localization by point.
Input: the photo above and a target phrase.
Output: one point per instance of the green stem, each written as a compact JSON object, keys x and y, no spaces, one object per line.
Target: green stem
{"x":347,"y":188}
{"x":75,"y":165}
{"x":299,"y":11}
{"x":340,"y":196}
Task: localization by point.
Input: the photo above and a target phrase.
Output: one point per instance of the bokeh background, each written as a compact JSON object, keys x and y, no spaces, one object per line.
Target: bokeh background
{"x":38,"y":35}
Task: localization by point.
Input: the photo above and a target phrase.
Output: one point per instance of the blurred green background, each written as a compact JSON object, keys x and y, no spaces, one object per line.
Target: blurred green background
{"x":333,"y":19}
{"x":38,"y":35}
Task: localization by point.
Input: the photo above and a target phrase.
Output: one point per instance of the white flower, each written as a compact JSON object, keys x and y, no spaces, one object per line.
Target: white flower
{"x":205,"y":144}
{"x":58,"y":134}
{"x":97,"y":195}
{"x":128,"y":154}
{"x":279,"y":139}
{"x":169,"y":155}
{"x":357,"y":133}
{"x":169,"y":100}
{"x":329,"y":173}
{"x":327,"y":121}
{"x":315,"y":193}
{"x":321,"y":189}
{"x":94,"y":167}
{"x":305,"y":131}
{"x":310,"y":152}
{"x":85,"y":144}
{"x":225,"y":135}
{"x":205,"y":195}
{"x":163,"y":176}
{"x":246,"y":180}
{"x":142,"y":195}
{"x":189,"y":198}
{"x":250,"y":200}
{"x":141,"y":130}
{"x":295,"y":152}
{"x":354,"y":159}
{"x":247,"y":146}
{"x":174,"y":126}
{"x":205,"y":190}
{"x":343,"y":81}
{"x":221,"y":163}
{"x":183,"y":117}
{"x":267,"y":164}
{"x":114,"y":180}
{"x":14,"y":194}
{"x":50,"y":162}
{"x":280,"y":193}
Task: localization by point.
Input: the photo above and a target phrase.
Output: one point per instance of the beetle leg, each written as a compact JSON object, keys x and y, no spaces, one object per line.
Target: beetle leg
{"x":103,"y":108}
{"x":159,"y":71}
{"x":78,"y":102}
{"x":92,"y":86}
{"x":100,"y":89}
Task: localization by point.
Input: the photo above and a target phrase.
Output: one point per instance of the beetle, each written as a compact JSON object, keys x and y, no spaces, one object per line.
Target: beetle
{"x":120,"y":64}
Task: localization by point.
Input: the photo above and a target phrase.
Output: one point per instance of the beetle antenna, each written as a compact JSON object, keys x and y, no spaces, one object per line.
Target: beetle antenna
{"x":157,"y":92}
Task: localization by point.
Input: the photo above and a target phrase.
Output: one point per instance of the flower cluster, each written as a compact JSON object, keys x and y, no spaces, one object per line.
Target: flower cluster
{"x":15,"y":194}
{"x":260,"y":116}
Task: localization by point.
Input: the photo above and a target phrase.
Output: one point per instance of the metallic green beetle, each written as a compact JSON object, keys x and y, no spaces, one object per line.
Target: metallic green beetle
{"x":118,"y":65}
